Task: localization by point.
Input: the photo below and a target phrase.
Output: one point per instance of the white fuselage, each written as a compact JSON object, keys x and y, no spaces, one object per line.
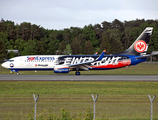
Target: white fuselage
{"x":49,"y":62}
{"x":32,"y":62}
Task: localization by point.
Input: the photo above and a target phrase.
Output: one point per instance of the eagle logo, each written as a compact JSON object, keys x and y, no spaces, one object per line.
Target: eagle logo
{"x":140,"y":46}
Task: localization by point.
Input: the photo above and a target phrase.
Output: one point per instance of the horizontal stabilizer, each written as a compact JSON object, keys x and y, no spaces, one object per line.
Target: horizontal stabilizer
{"x":148,"y":55}
{"x":154,"y":53}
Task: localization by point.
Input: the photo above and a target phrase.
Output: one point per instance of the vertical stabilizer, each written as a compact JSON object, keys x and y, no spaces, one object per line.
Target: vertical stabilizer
{"x":140,"y":45}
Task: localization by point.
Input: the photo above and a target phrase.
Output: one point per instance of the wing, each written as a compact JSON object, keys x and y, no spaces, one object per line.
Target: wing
{"x":86,"y":65}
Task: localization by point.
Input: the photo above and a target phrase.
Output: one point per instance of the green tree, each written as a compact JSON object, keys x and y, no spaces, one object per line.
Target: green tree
{"x":97,"y":49}
{"x":4,"y":38}
{"x":34,"y":31}
{"x":106,"y":25}
{"x":128,"y":37}
{"x":2,"y":50}
{"x":105,"y":45}
{"x":45,"y":42}
{"x":88,"y":48}
{"x":19,"y":44}
{"x":154,"y":41}
{"x":24,"y":31}
{"x":52,"y":42}
{"x":76,"y":46}
{"x":40,"y":46}
{"x":136,"y":31}
{"x":30,"y":48}
{"x":11,"y":32}
{"x":17,"y":31}
{"x":53,"y":47}
{"x":116,"y":24}
{"x":66,"y":36}
{"x":90,"y":34}
{"x":62,"y":46}
{"x":68,"y":50}
{"x":120,"y":35}
{"x":3,"y":26}
{"x":98,"y":31}
{"x":11,"y":55}
{"x":82,"y":39}
{"x":114,"y":37}
{"x":75,"y":31}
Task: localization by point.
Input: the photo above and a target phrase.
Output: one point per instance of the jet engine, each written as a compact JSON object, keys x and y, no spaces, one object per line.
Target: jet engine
{"x":61,"y":69}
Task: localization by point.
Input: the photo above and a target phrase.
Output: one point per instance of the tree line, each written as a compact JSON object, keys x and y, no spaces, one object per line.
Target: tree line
{"x":114,"y":37}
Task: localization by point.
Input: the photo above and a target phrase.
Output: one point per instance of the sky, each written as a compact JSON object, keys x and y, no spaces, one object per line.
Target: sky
{"x":61,"y":14}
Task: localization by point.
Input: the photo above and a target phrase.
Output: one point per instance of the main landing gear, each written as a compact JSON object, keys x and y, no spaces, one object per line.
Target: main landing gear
{"x":77,"y":71}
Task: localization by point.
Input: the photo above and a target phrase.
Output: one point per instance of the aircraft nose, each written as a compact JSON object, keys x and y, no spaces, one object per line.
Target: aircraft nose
{"x":4,"y":65}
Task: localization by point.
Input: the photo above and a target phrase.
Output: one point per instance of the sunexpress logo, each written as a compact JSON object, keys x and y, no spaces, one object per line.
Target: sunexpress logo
{"x":40,"y":58}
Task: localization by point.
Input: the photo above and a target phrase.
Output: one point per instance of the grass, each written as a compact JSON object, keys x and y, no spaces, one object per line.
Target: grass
{"x":140,"y":69}
{"x":117,"y":100}
{"x":74,"y":87}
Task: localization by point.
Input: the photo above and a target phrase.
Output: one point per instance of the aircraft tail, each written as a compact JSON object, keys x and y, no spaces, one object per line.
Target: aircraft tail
{"x":140,"y":45}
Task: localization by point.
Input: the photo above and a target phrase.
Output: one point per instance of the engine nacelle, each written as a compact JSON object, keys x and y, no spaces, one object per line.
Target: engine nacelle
{"x":61,"y":69}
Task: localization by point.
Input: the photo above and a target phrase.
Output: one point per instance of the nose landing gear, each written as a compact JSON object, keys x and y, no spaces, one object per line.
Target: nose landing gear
{"x":17,"y":72}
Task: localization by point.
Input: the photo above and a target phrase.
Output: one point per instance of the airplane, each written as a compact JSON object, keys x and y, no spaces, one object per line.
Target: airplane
{"x":135,"y":54}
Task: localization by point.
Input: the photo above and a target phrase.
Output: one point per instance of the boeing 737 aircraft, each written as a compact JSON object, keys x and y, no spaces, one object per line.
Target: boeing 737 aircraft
{"x":135,"y":54}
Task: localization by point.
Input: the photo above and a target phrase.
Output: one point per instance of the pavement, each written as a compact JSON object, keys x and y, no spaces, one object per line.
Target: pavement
{"x":78,"y":78}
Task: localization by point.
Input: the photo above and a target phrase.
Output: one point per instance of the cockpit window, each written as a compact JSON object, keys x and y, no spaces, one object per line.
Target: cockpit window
{"x":11,"y":60}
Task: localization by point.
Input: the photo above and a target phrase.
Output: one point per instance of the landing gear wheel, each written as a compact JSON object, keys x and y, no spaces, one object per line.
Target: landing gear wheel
{"x":77,"y":73}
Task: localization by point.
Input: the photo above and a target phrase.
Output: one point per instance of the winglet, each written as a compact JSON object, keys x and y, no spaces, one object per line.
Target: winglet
{"x":101,"y":56}
{"x":96,"y":53}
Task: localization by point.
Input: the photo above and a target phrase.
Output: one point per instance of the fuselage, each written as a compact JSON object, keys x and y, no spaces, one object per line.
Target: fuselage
{"x":48,"y":62}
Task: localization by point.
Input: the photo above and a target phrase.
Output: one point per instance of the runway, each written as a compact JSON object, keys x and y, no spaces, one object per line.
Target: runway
{"x":79,"y":78}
